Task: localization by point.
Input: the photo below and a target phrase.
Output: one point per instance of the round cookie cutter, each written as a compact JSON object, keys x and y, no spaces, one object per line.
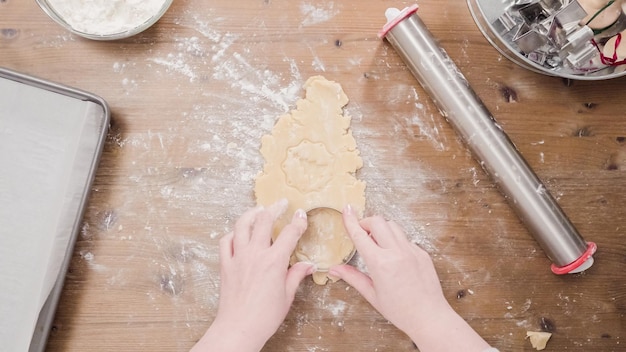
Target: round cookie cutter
{"x":311,"y":213}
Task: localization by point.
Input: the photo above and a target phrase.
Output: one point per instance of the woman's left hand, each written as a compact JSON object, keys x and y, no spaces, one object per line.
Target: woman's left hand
{"x":257,"y":285}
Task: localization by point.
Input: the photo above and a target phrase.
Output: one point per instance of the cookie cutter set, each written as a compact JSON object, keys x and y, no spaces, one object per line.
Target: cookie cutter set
{"x":550,"y":36}
{"x":449,"y":89}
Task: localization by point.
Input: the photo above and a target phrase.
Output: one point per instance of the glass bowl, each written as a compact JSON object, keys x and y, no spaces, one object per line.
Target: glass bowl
{"x":112,"y":33}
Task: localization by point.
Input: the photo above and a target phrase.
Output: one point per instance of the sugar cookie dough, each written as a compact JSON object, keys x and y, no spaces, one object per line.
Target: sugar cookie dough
{"x":311,"y":158}
{"x":325,"y":226}
{"x":538,"y":339}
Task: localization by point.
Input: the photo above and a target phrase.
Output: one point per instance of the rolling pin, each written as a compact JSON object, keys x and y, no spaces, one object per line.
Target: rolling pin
{"x":467,"y":114}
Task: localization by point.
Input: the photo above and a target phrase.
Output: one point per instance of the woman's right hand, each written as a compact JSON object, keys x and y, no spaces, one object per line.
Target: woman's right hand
{"x":404,"y":287}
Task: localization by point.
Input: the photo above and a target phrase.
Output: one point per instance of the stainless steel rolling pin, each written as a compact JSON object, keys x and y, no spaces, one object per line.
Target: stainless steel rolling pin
{"x":447,"y":86}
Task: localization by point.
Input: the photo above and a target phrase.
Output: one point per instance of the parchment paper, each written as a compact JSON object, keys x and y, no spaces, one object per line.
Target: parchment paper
{"x":46,"y":151}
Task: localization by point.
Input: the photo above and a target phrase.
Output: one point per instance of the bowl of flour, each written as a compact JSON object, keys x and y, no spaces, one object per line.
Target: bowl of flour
{"x":105,"y":19}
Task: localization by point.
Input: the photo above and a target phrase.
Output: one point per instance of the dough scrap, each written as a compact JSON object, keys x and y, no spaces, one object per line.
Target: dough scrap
{"x":538,"y":339}
{"x":311,"y":159}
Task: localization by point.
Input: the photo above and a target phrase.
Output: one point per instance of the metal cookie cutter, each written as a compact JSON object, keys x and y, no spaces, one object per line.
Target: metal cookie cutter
{"x":329,"y":226}
{"x":550,"y":34}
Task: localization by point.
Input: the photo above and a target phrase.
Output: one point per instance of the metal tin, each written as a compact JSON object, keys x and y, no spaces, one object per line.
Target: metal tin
{"x":577,"y":54}
{"x":21,"y":95}
{"x":449,"y":89}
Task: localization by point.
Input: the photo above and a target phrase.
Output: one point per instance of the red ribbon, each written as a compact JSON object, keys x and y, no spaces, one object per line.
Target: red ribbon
{"x":611,"y":61}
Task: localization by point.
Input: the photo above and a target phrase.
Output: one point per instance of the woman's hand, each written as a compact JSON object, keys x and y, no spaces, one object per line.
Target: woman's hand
{"x":404,"y":287}
{"x":402,"y":283}
{"x":257,"y":286}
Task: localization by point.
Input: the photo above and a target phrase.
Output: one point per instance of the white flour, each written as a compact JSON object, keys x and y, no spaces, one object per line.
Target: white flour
{"x":103,"y":17}
{"x":315,"y":15}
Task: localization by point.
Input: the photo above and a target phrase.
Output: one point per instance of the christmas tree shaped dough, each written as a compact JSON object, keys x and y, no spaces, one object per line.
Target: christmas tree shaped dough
{"x":311,"y":159}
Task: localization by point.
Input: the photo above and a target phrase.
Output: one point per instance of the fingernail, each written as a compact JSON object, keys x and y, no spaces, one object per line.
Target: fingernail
{"x":312,"y":269}
{"x":300,"y":214}
{"x":347,"y":209}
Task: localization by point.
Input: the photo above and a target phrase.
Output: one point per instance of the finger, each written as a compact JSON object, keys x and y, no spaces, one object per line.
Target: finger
{"x":262,"y":227}
{"x":278,"y":209}
{"x":291,"y":233}
{"x":380,"y":230}
{"x":405,"y":240}
{"x":361,"y":239}
{"x":356,"y":279}
{"x":264,"y":223}
{"x":243,"y":228}
{"x":295,"y":275}
{"x":398,"y":232}
{"x":226,"y":248}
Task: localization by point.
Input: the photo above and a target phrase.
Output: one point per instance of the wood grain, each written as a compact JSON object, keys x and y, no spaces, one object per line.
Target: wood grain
{"x":191,"y":98}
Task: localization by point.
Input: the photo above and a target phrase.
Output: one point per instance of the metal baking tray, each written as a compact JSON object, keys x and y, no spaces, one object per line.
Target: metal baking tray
{"x":51,"y":140}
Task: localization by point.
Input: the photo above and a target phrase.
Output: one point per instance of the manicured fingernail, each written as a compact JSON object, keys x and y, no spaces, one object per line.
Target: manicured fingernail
{"x":347,"y":209}
{"x":300,"y":214}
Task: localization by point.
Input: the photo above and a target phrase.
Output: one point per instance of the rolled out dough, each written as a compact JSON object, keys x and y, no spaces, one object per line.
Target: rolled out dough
{"x":311,"y":159}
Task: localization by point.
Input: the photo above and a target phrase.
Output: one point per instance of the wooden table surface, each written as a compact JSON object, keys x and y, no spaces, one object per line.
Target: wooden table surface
{"x":191,"y":98}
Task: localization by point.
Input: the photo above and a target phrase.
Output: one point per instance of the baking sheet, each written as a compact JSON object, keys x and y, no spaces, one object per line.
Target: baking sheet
{"x":51,"y":138}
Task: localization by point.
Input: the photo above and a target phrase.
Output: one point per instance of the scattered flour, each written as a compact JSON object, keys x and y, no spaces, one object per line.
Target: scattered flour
{"x":176,"y":63}
{"x":89,"y":258}
{"x":55,"y":41}
{"x":224,"y":127}
{"x":226,"y":130}
{"x":423,"y":123}
{"x":314,"y":15}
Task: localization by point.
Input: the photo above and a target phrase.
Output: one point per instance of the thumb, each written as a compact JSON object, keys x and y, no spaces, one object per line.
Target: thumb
{"x":356,"y":279}
{"x":295,"y":275}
